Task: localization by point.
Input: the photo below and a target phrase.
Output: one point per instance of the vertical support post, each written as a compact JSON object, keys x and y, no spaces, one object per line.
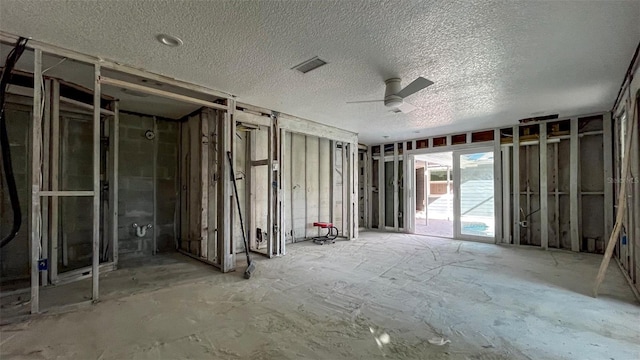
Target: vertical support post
{"x":557,"y":195}
{"x":204,"y":184}
{"x":574,"y":186}
{"x":96,"y":185}
{"x":270,"y":197}
{"x":332,"y":180}
{"x":154,"y":230}
{"x":114,"y":151}
{"x":427,"y":190}
{"x":449,"y":190}
{"x":381,"y":190}
{"x":225,"y":211}
{"x":36,"y":172}
{"x":497,"y":186}
{"x":353,"y":180}
{"x":607,"y":148}
{"x":516,"y":185}
{"x":506,"y":195}
{"x":282,"y":226}
{"x":544,"y":184}
{"x":396,"y":189}
{"x":46,"y":160}
{"x":53,"y":172}
{"x":368,"y":174}
{"x":345,"y":191}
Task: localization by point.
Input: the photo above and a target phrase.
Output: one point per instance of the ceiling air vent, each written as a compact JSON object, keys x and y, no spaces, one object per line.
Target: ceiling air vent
{"x":309,"y":65}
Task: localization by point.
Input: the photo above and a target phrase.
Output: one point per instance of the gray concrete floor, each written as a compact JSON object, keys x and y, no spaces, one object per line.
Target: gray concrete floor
{"x":333,"y":301}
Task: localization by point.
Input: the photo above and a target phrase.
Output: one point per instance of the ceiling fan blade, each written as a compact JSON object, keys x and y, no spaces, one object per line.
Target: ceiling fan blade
{"x":406,"y":107}
{"x":417,"y":85}
{"x":364,"y":101}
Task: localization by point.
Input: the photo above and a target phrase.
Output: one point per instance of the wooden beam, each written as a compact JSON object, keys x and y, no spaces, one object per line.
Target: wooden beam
{"x":506,"y":195}
{"x":497,"y":185}
{"x":226,"y":132}
{"x":161,"y":93}
{"x":544,"y":183}
{"x":82,"y":105}
{"x":96,"y":186}
{"x":53,"y":172}
{"x":307,"y":127}
{"x":114,"y":151}
{"x":46,"y":160}
{"x":574,"y":186}
{"x":204,"y":184}
{"x":516,"y":185}
{"x":66,"y":193}
{"x":607,"y":147}
{"x":36,"y":173}
{"x":395,"y":187}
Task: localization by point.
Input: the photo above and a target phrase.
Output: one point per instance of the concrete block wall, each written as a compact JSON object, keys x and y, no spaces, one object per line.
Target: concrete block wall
{"x":136,"y":184}
{"x":14,"y":257}
{"x":76,"y":213}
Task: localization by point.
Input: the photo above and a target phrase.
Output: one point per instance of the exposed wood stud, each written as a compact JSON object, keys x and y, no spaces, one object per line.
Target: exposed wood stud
{"x":54,"y":169}
{"x":46,"y":160}
{"x":544,"y":199}
{"x":36,"y":173}
{"x":506,"y":195}
{"x":96,"y":186}
{"x":395,"y":187}
{"x":204,"y":184}
{"x":497,"y":185}
{"x":114,"y":153}
{"x":608,"y":175}
{"x":574,"y":186}
{"x":516,"y":185}
{"x":161,"y":93}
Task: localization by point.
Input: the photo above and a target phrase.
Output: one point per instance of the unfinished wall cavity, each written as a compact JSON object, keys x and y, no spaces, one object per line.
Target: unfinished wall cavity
{"x":315,"y":188}
{"x":14,"y":257}
{"x":550,"y":181}
{"x":136,"y":184}
{"x":626,"y":133}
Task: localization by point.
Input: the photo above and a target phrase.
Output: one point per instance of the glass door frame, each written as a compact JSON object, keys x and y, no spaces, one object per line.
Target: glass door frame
{"x":457,"y":211}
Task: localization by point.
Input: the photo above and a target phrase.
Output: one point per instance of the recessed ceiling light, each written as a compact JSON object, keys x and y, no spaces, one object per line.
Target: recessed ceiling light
{"x":169,"y":40}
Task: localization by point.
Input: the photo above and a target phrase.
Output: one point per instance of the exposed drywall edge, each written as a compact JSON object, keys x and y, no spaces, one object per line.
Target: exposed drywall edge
{"x":308,"y":127}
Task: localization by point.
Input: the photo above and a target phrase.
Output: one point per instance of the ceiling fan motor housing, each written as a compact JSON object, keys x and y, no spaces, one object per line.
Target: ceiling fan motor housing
{"x":392,"y":88}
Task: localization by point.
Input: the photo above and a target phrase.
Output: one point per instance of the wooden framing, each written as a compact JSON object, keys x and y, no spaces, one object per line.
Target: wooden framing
{"x":574,"y":186}
{"x":607,"y":139}
{"x":226,"y":213}
{"x":497,"y":183}
{"x":515,"y":188}
{"x":544,"y":183}
{"x":204,"y":184}
{"x":96,"y":186}
{"x":46,"y":130}
{"x":112,"y":65}
{"x":114,"y":152}
{"x":36,"y":172}
{"x":302,"y":126}
{"x":506,"y":195}
{"x":53,"y":173}
{"x":161,"y":93}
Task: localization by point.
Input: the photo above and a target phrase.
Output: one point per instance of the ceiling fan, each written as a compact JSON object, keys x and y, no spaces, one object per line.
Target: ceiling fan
{"x":394,"y":95}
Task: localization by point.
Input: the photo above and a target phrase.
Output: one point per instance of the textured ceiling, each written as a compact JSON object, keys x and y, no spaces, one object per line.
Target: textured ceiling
{"x":492,"y":62}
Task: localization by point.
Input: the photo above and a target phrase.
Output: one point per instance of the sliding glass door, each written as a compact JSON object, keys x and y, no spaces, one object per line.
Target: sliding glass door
{"x":474,"y":212}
